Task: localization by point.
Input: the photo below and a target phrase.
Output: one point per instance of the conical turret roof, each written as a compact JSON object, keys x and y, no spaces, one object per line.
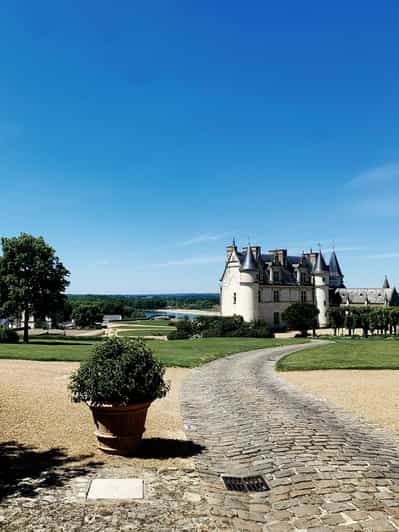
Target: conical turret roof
{"x":334,"y":265}
{"x":386,"y":283}
{"x":249,"y":261}
{"x":320,"y":266}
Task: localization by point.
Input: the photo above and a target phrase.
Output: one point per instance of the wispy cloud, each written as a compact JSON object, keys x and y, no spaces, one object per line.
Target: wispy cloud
{"x":207,"y":237}
{"x":386,"y":204}
{"x":190,"y":261}
{"x":376,"y":191}
{"x":386,"y":173}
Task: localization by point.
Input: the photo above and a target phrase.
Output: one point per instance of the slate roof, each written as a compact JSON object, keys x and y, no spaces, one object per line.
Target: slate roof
{"x":249,"y":263}
{"x":386,"y":283}
{"x":334,"y":265}
{"x":374,"y":296}
{"x":320,"y":266}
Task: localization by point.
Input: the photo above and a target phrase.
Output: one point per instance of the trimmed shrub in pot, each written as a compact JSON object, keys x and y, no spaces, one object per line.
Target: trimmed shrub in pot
{"x":119,"y":382}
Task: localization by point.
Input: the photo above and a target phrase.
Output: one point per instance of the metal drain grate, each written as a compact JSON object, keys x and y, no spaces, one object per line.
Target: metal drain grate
{"x":254,"y":483}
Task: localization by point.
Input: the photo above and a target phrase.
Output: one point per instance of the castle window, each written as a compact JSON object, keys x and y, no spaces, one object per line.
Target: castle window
{"x":276,"y":296}
{"x":259,"y":296}
{"x":276,"y":277}
{"x":303,"y":278}
{"x":276,"y":319}
{"x":234,"y":298}
{"x":303,"y":296}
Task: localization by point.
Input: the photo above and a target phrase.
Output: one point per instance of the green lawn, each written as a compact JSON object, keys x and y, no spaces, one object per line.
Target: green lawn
{"x":184,"y":353}
{"x":190,"y":353}
{"x":141,"y":331}
{"x":147,"y":323}
{"x":356,"y":353}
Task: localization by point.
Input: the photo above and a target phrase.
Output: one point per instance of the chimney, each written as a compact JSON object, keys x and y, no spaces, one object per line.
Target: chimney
{"x":229,"y":251}
{"x":312,"y":257}
{"x":281,"y":255}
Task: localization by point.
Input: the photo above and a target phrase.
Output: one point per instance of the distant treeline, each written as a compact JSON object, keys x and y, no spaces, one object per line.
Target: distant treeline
{"x":134,"y":305}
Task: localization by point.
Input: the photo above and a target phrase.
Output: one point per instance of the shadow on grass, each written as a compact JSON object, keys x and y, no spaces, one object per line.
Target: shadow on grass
{"x":25,"y":471}
{"x":167,"y":448}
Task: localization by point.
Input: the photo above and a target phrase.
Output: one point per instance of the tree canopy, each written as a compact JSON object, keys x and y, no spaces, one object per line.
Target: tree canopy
{"x":300,"y":316}
{"x":33,"y":279}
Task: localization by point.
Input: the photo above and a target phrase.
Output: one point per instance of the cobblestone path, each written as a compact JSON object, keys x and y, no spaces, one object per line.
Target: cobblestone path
{"x":326,"y":469}
{"x":172,"y":501}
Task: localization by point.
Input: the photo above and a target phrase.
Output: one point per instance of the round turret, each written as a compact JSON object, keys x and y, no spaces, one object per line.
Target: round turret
{"x":321,"y":288}
{"x":248,"y":287}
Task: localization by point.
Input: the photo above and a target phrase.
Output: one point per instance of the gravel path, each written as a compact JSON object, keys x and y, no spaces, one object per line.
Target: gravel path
{"x":35,"y":410}
{"x":48,"y":456}
{"x":326,"y":469}
{"x":373,"y":395}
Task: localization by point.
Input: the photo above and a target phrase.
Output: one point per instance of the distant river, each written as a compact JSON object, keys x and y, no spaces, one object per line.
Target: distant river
{"x":171,"y":313}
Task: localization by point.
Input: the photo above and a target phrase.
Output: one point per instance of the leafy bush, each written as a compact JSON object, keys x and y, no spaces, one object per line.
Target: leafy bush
{"x":87,"y":315}
{"x":184,"y":330}
{"x":233,"y":326}
{"x":8,"y":336}
{"x":120,"y":371}
{"x":301,"y":316}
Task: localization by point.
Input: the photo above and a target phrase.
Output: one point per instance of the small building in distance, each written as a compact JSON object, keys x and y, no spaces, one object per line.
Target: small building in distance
{"x":107,"y":318}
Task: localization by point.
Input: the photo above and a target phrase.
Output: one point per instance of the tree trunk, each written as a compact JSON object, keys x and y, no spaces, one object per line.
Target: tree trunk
{"x":26,"y":326}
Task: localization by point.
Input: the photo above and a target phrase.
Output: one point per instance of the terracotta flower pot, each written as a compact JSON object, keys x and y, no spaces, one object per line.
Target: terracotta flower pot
{"x":119,"y":428}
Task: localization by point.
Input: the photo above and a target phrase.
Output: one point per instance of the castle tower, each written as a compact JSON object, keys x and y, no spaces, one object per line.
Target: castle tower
{"x":386,"y":283}
{"x":336,"y":275}
{"x":248,"y":287}
{"x":321,"y":288}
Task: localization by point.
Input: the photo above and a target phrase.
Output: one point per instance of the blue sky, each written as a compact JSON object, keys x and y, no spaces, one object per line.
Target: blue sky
{"x":139,"y":137}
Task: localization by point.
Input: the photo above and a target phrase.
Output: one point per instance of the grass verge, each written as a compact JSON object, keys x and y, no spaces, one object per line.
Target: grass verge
{"x":355,"y":353}
{"x":183,"y":353}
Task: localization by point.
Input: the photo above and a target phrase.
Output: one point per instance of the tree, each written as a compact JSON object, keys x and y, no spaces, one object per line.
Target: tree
{"x":300,"y":316}
{"x":34,"y":276}
{"x":349,"y":322}
{"x":87,"y":315}
{"x":336,"y":317}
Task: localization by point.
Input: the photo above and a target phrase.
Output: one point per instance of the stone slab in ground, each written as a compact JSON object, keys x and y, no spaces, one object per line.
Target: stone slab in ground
{"x":116,"y":489}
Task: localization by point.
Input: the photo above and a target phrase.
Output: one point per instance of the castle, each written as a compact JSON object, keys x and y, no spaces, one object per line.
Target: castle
{"x":261,"y":286}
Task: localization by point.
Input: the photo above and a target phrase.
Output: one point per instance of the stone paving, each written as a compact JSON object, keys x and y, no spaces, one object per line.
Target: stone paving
{"x":326,"y":469}
{"x":172,"y":501}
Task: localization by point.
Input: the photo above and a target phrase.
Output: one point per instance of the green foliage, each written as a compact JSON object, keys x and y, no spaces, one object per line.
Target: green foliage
{"x":134,"y":306}
{"x":336,"y":317}
{"x":87,"y":315}
{"x":300,"y":316}
{"x":120,"y":371}
{"x":371,"y":319}
{"x":184,"y":330}
{"x":34,"y":278}
{"x":216,"y":326}
{"x":8,"y":336}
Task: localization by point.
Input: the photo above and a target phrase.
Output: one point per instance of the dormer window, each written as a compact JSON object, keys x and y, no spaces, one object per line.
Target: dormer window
{"x":276,"y":276}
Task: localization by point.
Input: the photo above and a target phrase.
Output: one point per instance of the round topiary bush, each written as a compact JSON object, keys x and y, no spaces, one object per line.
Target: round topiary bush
{"x":8,"y":336}
{"x":121,"y":371}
